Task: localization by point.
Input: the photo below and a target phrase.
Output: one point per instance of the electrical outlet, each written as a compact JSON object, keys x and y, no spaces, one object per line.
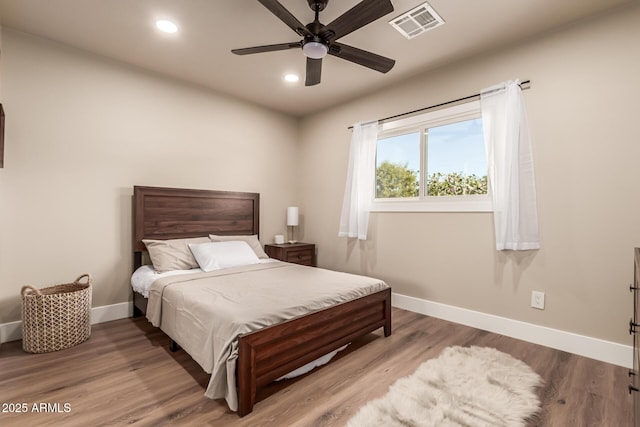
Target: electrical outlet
{"x":537,"y":300}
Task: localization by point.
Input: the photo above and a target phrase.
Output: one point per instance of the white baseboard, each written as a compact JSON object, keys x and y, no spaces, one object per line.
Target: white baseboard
{"x":594,"y":348}
{"x":12,"y":331}
{"x":107,"y":313}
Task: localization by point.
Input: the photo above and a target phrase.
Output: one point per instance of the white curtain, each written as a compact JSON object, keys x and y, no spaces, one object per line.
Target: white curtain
{"x":358,"y":192}
{"x":510,"y":163}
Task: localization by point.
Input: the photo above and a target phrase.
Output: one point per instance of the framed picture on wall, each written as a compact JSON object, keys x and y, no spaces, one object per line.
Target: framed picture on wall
{"x":1,"y":136}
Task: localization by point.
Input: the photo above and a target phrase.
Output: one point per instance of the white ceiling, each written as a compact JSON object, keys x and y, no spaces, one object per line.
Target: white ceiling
{"x":209,"y":29}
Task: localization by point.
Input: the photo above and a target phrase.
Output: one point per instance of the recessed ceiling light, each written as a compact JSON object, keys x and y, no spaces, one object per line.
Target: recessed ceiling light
{"x":291,"y":78}
{"x":166,"y":26}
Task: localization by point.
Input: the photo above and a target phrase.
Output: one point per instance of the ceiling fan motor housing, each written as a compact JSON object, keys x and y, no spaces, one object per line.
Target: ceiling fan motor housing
{"x":317,"y":5}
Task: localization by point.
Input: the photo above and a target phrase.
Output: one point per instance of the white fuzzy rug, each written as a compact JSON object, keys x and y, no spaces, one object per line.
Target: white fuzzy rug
{"x":464,"y":386}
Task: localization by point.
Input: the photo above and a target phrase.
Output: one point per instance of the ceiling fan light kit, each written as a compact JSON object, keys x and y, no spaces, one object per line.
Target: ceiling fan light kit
{"x":315,"y":50}
{"x":319,"y":40}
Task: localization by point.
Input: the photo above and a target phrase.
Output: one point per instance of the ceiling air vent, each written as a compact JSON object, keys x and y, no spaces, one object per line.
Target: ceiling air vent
{"x":418,"y":20}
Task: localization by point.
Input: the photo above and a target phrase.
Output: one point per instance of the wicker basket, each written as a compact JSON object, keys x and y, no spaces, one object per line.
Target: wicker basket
{"x":56,"y":317}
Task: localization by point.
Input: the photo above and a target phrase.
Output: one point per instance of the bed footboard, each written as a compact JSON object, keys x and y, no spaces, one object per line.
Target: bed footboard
{"x":269,"y":353}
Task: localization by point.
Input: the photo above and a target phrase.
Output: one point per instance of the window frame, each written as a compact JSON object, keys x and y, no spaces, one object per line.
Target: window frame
{"x":422,"y":203}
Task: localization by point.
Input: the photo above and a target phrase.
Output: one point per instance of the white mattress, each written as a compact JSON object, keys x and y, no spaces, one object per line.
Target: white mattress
{"x":145,"y":275}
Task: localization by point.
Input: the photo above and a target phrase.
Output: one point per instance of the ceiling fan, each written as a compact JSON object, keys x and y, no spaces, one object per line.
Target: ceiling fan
{"x":320,"y":40}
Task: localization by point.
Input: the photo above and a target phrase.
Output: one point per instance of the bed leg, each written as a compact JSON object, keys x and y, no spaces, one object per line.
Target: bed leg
{"x":246,"y":378}
{"x":137,"y":312}
{"x":245,"y":407}
{"x":173,"y":346}
{"x":387,"y":314}
{"x":139,"y":305}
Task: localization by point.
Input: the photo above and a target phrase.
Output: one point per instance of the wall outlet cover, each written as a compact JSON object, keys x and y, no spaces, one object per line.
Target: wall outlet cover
{"x":537,"y":300}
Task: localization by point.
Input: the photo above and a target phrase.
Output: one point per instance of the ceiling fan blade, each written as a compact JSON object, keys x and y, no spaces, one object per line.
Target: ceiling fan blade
{"x":362,"y":57}
{"x":314,"y":70}
{"x":358,"y":16}
{"x":285,"y":16}
{"x":267,"y":48}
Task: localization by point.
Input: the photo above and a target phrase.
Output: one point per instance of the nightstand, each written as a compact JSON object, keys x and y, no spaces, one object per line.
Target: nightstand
{"x":297,"y":253}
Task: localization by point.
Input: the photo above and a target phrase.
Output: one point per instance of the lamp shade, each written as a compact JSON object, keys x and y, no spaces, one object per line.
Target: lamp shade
{"x":292,"y":215}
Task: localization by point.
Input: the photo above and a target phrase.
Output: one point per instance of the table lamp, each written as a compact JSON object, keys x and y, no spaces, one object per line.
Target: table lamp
{"x":292,"y":221}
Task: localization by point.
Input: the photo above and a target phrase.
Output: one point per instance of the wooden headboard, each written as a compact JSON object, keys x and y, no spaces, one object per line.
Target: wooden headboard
{"x":177,"y":213}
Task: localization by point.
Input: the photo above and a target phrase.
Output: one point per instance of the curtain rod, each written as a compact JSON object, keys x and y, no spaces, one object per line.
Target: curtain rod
{"x":524,"y":85}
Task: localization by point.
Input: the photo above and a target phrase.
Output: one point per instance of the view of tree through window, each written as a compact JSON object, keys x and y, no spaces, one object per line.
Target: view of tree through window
{"x":454,"y":162}
{"x":398,"y":166}
{"x":395,"y":180}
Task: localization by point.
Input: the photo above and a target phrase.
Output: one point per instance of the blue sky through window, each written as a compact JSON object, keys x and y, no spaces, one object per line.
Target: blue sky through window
{"x":401,"y":149}
{"x":456,"y":147}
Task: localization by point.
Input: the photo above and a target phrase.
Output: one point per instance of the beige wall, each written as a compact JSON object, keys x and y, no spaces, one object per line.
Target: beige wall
{"x":0,"y":63}
{"x":584,"y":123}
{"x":82,"y":131}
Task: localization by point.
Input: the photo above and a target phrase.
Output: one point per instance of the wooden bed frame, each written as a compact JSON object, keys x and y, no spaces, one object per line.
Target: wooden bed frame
{"x":267,"y":354}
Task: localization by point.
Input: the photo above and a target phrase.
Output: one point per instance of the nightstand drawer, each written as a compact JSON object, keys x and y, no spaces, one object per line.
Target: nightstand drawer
{"x":297,"y":253}
{"x":301,"y":256}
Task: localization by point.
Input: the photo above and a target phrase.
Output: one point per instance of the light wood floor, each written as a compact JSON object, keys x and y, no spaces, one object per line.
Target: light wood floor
{"x":125,"y":374}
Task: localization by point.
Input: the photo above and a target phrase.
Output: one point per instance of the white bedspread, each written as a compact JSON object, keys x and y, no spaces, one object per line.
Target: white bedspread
{"x":206,"y":312}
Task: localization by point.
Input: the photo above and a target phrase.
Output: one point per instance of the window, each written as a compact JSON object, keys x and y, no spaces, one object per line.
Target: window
{"x":433,"y":162}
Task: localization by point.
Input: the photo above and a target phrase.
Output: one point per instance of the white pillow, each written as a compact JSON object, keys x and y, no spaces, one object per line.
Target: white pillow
{"x":252,"y":240}
{"x":218,"y":255}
